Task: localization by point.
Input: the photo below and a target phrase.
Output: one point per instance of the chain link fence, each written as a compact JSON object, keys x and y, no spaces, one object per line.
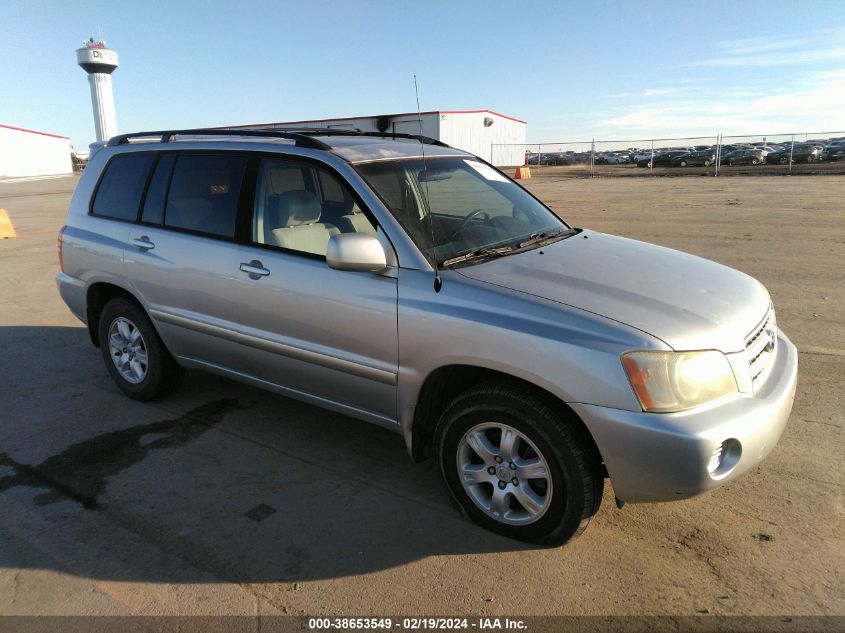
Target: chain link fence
{"x":716,"y":155}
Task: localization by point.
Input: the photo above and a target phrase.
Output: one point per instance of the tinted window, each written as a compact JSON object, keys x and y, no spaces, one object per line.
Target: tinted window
{"x":157,"y":192}
{"x":204,"y":193}
{"x":121,"y":188}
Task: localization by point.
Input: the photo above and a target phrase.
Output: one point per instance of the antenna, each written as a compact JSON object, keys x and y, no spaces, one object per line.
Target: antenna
{"x":438,"y":282}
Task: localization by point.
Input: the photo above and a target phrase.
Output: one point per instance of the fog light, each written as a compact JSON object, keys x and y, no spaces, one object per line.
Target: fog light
{"x":716,"y":458}
{"x":724,"y":458}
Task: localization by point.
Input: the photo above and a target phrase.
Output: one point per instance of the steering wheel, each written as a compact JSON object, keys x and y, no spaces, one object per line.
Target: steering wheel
{"x":469,"y":218}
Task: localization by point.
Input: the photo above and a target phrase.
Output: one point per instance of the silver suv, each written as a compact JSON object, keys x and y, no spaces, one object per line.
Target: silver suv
{"x":412,"y":285}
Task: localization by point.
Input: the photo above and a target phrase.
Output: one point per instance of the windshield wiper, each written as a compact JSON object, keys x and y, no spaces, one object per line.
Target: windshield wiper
{"x":545,"y":236}
{"x":480,"y":253}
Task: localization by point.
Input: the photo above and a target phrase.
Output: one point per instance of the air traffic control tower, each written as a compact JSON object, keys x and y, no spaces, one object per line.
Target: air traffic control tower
{"x":100,"y":62}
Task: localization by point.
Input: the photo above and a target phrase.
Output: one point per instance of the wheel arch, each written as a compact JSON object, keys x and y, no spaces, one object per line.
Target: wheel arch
{"x":96,"y":298}
{"x":442,"y":385}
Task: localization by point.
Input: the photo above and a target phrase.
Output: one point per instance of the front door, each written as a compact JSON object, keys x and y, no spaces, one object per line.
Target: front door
{"x":322,"y":334}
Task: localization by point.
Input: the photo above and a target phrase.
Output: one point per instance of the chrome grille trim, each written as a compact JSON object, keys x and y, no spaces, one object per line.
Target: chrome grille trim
{"x":760,"y":358}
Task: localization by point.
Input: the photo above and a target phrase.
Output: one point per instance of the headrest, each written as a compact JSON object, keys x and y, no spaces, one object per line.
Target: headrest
{"x":298,"y":207}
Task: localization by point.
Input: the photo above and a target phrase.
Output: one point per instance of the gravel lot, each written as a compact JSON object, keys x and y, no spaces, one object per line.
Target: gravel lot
{"x":226,"y":500}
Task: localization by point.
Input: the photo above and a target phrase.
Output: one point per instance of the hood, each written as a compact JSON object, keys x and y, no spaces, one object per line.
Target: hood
{"x":686,"y":301}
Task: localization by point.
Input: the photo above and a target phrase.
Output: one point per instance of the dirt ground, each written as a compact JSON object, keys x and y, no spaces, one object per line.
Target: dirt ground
{"x":223,"y":499}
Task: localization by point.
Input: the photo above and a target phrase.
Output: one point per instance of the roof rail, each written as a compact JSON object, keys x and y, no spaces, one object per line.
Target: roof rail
{"x":319,"y":131}
{"x":165,"y":136}
{"x":304,"y":137}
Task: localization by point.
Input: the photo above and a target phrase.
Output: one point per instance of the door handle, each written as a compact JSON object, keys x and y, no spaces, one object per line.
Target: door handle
{"x":254,"y":269}
{"x":143,"y":243}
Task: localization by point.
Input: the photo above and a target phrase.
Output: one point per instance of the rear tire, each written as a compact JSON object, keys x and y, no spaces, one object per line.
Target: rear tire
{"x":134,"y":354}
{"x":496,"y":431}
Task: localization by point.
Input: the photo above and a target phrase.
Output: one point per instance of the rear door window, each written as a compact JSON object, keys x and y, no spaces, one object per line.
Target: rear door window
{"x":122,"y":185}
{"x":204,"y":193}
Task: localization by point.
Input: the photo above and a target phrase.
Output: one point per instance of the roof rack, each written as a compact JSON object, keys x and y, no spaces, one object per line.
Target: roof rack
{"x":303,"y":137}
{"x":302,"y":140}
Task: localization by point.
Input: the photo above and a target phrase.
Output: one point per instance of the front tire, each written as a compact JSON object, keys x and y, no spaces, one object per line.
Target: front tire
{"x":134,"y":354}
{"x":516,"y":465}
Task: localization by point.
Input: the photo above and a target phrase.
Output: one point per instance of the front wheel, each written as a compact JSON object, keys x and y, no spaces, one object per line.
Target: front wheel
{"x":133,"y":353}
{"x":517,"y":466}
{"x":707,"y":163}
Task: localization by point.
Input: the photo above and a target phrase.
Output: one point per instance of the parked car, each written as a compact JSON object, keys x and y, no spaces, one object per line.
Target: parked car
{"x":694,"y":159}
{"x":744,"y":157}
{"x":661,"y":160}
{"x":834,"y":152}
{"x":556,"y":159}
{"x":800,"y":153}
{"x":434,"y":297}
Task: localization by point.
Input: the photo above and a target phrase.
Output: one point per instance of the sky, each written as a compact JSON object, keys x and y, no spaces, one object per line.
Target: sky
{"x":574,"y":70}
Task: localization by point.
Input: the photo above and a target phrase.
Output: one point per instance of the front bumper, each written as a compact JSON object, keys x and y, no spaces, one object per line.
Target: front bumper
{"x":663,"y":457}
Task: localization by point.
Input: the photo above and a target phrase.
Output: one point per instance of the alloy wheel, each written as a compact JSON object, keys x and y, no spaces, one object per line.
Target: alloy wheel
{"x":504,"y":473}
{"x":128,"y":350}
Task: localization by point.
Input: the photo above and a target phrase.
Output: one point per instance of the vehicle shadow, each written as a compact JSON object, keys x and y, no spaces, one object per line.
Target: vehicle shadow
{"x":218,"y":481}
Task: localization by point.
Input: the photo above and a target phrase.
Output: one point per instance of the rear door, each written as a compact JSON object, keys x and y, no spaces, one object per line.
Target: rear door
{"x":183,"y":257}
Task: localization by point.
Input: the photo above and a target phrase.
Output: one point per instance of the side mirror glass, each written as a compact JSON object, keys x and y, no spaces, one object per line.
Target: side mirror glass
{"x":356,"y":251}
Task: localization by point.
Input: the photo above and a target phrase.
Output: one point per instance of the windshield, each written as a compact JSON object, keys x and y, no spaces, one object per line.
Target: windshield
{"x":471,"y":205}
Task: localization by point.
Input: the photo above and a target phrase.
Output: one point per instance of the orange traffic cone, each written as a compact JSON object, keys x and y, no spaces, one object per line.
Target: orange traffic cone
{"x":6,"y":228}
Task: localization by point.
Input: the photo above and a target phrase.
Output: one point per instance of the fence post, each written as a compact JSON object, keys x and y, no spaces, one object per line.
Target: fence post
{"x":539,"y":155}
{"x":651,"y":160}
{"x":791,"y":147}
{"x":718,"y":152}
{"x":592,"y":157}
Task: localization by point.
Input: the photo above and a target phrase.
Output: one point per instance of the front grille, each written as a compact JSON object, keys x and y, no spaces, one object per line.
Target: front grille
{"x":760,"y":349}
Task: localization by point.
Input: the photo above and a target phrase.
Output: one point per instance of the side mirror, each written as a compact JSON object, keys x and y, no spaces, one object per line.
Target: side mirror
{"x":356,"y":251}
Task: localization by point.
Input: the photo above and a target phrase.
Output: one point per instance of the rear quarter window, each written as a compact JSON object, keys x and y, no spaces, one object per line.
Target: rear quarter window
{"x":120,"y":190}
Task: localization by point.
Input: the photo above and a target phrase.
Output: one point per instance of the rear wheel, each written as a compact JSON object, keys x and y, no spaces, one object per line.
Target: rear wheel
{"x":133,"y":353}
{"x":683,"y":163}
{"x":516,"y":466}
{"x":707,"y":163}
{"x":754,"y":161}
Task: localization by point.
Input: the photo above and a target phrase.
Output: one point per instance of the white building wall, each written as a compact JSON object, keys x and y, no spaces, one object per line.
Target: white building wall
{"x":463,"y":130}
{"x":466,"y":130}
{"x":25,"y":153}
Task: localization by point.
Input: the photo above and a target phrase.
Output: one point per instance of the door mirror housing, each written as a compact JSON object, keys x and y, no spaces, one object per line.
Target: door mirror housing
{"x":356,"y":251}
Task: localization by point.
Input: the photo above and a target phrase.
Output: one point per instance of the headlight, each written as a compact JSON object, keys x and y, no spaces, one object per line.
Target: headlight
{"x":675,"y":381}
